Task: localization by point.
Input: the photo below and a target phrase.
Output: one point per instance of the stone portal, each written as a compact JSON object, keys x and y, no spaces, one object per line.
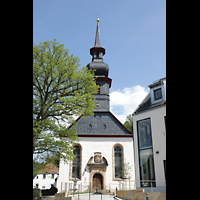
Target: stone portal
{"x":97,"y":168}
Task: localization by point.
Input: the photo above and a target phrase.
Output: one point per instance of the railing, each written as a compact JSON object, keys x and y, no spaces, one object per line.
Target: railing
{"x":147,"y":185}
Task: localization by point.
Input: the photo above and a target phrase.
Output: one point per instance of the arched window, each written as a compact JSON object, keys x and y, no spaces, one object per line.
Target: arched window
{"x":76,"y":162}
{"x":118,"y":161}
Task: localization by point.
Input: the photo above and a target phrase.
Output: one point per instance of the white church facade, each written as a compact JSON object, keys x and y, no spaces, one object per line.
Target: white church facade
{"x":97,"y":164}
{"x":104,"y":154}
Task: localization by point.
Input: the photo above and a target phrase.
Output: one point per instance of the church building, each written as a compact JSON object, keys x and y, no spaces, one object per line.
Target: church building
{"x":104,"y":153}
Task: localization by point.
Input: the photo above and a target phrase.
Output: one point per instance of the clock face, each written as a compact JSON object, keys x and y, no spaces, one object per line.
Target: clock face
{"x":98,"y":104}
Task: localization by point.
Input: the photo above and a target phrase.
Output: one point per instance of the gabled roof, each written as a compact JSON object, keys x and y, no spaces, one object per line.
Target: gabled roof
{"x":51,"y":169}
{"x":146,"y":105}
{"x":102,"y":124}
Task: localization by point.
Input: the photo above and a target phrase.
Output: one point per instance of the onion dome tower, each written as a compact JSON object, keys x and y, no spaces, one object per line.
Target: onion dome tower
{"x":101,"y":73}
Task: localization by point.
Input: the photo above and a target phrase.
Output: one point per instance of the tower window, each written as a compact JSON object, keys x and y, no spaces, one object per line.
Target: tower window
{"x":90,"y":126}
{"x":104,"y":126}
{"x":97,"y":54}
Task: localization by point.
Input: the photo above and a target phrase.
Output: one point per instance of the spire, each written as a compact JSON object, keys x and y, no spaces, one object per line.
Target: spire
{"x":97,"y":38}
{"x":97,"y":43}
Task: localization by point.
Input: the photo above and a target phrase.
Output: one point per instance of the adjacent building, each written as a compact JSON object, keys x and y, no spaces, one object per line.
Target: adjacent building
{"x":149,"y":128}
{"x":47,"y":178}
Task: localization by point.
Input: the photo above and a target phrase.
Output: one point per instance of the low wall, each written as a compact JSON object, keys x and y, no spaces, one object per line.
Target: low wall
{"x":48,"y":198}
{"x":64,"y":196}
{"x":140,"y":195}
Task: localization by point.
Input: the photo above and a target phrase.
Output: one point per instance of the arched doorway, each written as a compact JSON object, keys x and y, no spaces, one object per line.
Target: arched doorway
{"x":97,"y":182}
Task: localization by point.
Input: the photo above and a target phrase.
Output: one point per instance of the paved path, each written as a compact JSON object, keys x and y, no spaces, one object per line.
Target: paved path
{"x":94,"y":196}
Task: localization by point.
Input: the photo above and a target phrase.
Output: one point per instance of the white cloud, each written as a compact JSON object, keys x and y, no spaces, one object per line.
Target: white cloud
{"x":123,"y":103}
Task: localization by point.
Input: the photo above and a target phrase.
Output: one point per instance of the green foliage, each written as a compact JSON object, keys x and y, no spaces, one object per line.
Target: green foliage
{"x":126,"y":170}
{"x":129,"y":123}
{"x":60,"y":91}
{"x":37,"y":166}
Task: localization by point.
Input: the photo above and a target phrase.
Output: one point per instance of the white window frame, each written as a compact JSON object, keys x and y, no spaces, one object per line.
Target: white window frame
{"x":153,"y":101}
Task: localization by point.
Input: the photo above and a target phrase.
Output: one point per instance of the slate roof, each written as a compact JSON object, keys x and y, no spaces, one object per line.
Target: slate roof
{"x":103,"y":124}
{"x":97,"y":42}
{"x":146,"y":105}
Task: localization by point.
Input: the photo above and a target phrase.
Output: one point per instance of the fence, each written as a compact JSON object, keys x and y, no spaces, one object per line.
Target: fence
{"x":147,"y":185}
{"x":111,"y":188}
{"x":87,"y":192}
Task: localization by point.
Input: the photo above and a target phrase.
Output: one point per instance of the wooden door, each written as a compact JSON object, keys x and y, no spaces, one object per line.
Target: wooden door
{"x":97,"y":182}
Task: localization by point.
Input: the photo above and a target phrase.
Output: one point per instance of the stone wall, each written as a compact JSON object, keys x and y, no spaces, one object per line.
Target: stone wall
{"x":140,"y":195}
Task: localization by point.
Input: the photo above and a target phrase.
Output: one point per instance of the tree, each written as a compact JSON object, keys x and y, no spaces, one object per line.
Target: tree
{"x":129,"y":123}
{"x":126,"y":170}
{"x":60,"y":91}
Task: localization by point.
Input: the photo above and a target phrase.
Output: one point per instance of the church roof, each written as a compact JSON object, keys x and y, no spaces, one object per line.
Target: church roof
{"x":102,"y":124}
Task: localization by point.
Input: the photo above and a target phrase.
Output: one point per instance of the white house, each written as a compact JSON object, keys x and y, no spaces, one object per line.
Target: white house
{"x":149,"y":127}
{"x":47,"y":177}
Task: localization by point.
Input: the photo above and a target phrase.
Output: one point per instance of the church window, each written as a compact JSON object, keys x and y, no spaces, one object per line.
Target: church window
{"x":104,"y":126}
{"x":90,"y":126}
{"x":76,"y":162}
{"x":118,"y":161}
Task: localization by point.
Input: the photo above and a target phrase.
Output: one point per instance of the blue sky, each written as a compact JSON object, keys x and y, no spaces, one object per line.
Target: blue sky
{"x":133,"y":32}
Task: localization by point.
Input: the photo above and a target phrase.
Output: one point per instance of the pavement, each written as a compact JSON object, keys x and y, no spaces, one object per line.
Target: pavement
{"x":94,"y":196}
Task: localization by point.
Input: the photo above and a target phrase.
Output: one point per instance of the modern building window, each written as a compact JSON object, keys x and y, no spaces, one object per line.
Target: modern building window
{"x":157,"y":94}
{"x":118,"y":162}
{"x":146,"y":160}
{"x":144,"y":134}
{"x":164,"y":162}
{"x":76,"y":162}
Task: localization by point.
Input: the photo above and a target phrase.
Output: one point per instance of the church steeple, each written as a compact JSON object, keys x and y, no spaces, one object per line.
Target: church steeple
{"x":97,"y":53}
{"x":97,"y":38}
{"x":101,"y":74}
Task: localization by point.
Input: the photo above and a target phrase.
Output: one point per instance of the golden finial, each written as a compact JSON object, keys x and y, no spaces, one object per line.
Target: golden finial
{"x":97,"y":16}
